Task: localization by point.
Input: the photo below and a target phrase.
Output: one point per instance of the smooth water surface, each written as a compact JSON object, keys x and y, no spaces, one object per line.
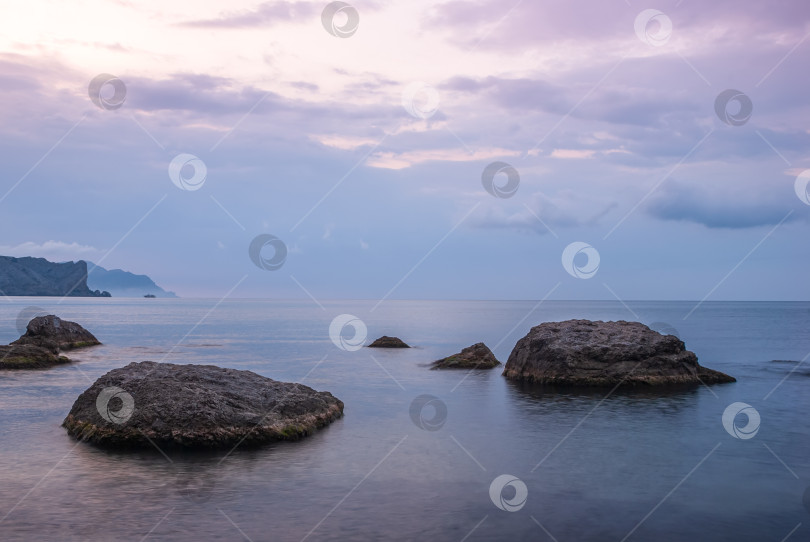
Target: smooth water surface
{"x":597,"y":466}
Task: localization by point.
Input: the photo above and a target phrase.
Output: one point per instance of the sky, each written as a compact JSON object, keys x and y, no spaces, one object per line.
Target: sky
{"x":561,"y":149}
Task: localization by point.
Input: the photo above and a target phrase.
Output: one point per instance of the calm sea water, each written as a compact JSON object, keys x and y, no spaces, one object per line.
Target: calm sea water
{"x":629,"y":465}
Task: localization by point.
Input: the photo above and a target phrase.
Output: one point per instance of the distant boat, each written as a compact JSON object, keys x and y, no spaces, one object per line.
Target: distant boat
{"x":150,"y":295}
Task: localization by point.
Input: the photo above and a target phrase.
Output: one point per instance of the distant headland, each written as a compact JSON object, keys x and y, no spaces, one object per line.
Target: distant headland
{"x":29,"y":276}
{"x":122,"y":283}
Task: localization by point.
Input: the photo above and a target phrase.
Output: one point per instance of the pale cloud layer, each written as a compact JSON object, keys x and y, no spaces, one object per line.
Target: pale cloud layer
{"x":56,"y":251}
{"x":305,"y":135}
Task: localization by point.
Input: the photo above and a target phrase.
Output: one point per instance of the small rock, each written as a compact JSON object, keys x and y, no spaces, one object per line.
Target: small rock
{"x":388,"y":342}
{"x":477,"y":356}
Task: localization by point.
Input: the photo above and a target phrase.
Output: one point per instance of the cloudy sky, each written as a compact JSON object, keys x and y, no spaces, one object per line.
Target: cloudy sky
{"x":366,"y":149}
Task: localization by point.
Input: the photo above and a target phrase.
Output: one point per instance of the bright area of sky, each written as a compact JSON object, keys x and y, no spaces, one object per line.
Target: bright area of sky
{"x":364,"y":150}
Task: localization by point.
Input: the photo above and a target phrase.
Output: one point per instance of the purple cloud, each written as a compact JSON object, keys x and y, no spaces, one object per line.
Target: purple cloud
{"x":265,"y":14}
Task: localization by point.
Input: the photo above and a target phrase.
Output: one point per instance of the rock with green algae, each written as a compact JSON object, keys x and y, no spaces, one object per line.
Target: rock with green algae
{"x":44,"y":338}
{"x":388,"y":342}
{"x":29,"y":357}
{"x":477,"y":356}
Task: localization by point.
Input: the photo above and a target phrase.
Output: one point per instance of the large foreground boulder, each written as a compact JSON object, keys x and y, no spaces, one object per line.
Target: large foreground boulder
{"x":587,"y":353}
{"x":477,"y":356}
{"x":44,"y":338}
{"x":195,"y":406}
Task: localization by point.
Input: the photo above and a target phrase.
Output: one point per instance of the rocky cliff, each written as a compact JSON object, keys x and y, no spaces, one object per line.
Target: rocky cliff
{"x":39,"y":277}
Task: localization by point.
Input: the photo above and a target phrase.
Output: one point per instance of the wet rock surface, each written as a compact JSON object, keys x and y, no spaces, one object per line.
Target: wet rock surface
{"x":40,"y":346}
{"x":596,"y":353}
{"x":477,"y":356}
{"x":196,"y":406}
{"x":388,"y":342}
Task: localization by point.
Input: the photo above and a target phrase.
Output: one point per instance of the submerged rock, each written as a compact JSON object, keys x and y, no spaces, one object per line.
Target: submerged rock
{"x":44,"y":338}
{"x":477,"y":356}
{"x":388,"y":342}
{"x":195,"y":406}
{"x":587,"y":353}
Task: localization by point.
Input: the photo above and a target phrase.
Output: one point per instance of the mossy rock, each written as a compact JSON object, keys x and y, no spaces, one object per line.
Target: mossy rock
{"x":29,"y":357}
{"x":477,"y":356}
{"x":388,"y":342}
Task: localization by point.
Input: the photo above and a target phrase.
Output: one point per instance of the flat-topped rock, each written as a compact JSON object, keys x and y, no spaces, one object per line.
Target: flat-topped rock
{"x":195,"y":406}
{"x":388,"y":342}
{"x":588,"y":353}
{"x":477,"y":356}
{"x":39,"y":346}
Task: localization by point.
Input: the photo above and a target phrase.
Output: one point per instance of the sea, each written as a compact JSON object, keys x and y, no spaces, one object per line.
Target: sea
{"x":421,"y":454}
